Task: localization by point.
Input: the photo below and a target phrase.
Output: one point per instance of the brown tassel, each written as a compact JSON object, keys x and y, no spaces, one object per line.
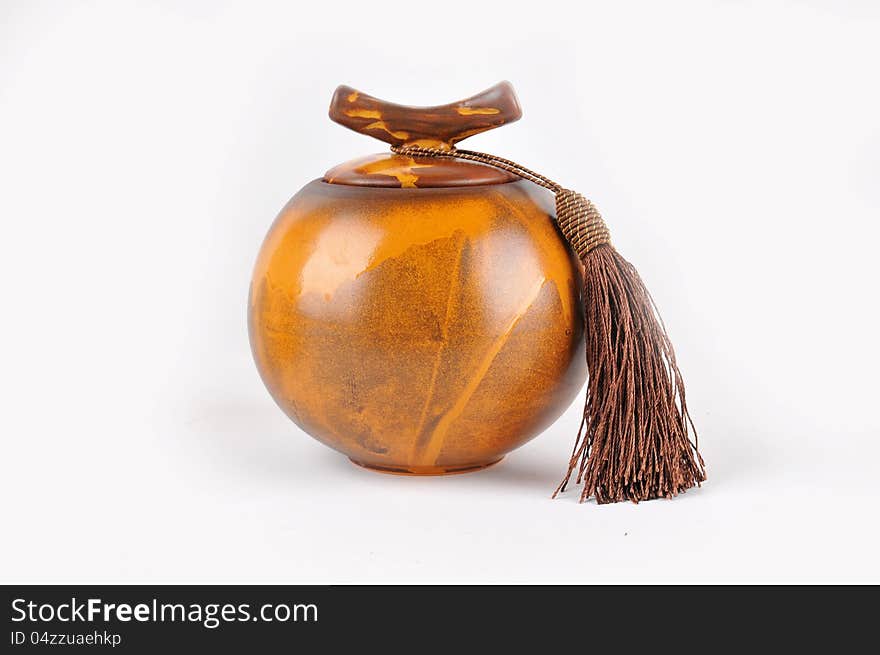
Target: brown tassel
{"x":633,"y":442}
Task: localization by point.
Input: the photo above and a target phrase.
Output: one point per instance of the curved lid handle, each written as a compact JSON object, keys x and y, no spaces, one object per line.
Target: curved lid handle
{"x":435,"y":127}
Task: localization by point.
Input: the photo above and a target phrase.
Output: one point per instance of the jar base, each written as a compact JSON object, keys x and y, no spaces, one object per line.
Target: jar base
{"x":426,"y":470}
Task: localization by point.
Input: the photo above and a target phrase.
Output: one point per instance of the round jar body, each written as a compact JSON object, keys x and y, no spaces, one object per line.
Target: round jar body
{"x":420,"y":331}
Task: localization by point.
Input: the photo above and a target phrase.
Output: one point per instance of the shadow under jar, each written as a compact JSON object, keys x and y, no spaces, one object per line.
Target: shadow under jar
{"x":421,"y":316}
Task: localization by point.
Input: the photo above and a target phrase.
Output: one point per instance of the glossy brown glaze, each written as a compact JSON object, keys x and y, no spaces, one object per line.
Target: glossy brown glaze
{"x":389,"y":170}
{"x":437,"y":127}
{"x":419,"y":331}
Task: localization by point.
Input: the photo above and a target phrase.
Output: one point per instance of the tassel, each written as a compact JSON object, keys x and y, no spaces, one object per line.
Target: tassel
{"x":633,"y":443}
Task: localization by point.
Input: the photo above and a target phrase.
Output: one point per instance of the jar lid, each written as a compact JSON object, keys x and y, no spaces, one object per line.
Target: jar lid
{"x":438,"y":127}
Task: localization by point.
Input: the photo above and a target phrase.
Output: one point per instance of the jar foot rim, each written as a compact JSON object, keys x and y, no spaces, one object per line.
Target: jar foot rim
{"x":425,"y":470}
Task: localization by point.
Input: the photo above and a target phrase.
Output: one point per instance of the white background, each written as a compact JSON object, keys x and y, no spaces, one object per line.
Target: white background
{"x":734,"y":148}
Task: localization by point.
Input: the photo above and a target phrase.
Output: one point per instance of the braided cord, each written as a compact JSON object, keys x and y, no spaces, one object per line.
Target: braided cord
{"x":578,"y":219}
